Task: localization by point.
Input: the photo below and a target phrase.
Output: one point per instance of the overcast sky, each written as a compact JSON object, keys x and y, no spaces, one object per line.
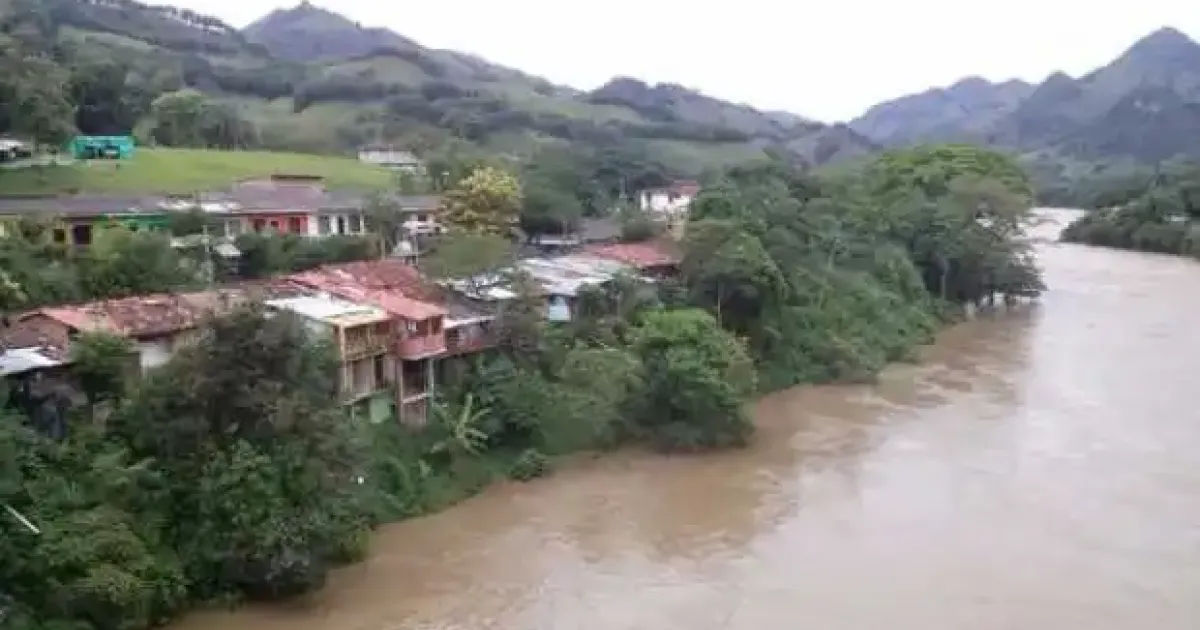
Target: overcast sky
{"x":826,"y":59}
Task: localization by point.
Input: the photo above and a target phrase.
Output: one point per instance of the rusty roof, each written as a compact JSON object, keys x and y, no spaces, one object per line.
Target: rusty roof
{"x":145,"y":316}
{"x":21,"y":334}
{"x":645,"y":255}
{"x":392,"y":285}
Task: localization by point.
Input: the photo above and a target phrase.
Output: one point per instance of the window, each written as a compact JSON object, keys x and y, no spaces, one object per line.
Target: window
{"x":355,"y":224}
{"x":410,"y":326}
{"x":341,"y":225}
{"x":324,"y":226}
{"x":274,"y":225}
{"x":259,"y":225}
{"x":295,"y":225}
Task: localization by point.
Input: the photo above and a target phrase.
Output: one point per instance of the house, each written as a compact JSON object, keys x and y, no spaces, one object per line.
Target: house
{"x":656,"y":258}
{"x":418,"y":334}
{"x":37,"y":380}
{"x":157,"y":325}
{"x":669,"y":202}
{"x":391,"y":157}
{"x":360,"y":333}
{"x":559,"y":279}
{"x":77,"y":218}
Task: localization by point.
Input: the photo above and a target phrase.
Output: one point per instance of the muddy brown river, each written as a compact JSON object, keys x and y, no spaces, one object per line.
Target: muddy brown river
{"x":1039,"y":470}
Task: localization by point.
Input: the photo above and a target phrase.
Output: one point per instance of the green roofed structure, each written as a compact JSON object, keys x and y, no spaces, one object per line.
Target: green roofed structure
{"x":101,"y":147}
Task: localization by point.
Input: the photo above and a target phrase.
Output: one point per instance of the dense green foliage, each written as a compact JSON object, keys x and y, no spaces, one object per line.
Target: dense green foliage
{"x":833,"y":279}
{"x":1162,"y":216}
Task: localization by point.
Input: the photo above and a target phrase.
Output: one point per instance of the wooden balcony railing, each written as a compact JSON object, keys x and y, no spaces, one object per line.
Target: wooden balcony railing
{"x":421,"y":346}
{"x":361,"y":348}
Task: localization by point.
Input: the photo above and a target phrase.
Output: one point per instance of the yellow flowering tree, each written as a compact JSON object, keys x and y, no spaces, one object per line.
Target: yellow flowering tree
{"x":488,"y":201}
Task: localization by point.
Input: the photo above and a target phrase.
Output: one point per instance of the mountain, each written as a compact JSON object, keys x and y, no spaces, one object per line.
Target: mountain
{"x":308,"y":33}
{"x":1143,"y":107}
{"x":309,"y":79}
{"x":968,"y":107}
{"x":668,"y":116}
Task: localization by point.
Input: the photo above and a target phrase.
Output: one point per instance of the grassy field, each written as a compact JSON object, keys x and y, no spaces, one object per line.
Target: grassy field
{"x":187,"y":171}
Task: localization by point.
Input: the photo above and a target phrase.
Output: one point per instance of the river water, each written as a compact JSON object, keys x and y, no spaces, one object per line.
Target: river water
{"x":1039,"y":469}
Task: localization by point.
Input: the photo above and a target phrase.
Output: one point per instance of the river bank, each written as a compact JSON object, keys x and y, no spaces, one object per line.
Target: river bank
{"x":1025,"y":439}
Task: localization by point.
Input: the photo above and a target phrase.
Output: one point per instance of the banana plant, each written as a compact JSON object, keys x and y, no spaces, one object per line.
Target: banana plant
{"x":461,"y":427}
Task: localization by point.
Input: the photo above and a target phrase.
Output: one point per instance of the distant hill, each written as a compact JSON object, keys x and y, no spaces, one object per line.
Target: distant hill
{"x":311,"y":80}
{"x":1143,"y":107}
{"x":969,"y":107}
{"x":671,"y":114}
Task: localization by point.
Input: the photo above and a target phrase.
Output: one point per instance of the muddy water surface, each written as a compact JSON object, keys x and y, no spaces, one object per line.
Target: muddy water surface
{"x":1041,"y":469}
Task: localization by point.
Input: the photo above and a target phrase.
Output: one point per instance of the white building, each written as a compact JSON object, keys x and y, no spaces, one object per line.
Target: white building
{"x":391,"y":157}
{"x":670,"y":201}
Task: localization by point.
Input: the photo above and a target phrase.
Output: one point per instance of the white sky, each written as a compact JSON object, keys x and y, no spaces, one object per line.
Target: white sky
{"x":826,"y":59}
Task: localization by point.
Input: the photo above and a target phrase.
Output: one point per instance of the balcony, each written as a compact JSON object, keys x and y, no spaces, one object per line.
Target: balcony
{"x":421,"y":346}
{"x":469,"y":339}
{"x":361,"y":348}
{"x":364,"y":341}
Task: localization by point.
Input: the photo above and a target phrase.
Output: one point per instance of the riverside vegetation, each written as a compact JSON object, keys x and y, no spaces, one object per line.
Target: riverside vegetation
{"x":1161,"y":214}
{"x":231,"y":473}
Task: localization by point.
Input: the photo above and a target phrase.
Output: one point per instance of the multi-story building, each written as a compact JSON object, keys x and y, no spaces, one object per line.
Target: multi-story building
{"x":360,"y":334}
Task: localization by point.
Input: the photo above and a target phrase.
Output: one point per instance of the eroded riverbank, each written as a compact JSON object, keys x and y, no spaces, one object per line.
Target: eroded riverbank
{"x":1037,"y":470}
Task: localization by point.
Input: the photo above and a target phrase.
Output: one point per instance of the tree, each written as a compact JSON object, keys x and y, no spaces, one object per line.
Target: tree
{"x":522,"y":320}
{"x":178,"y":117}
{"x":488,"y":201}
{"x":730,"y":273}
{"x":928,"y":170}
{"x":120,"y":262}
{"x":188,"y":118}
{"x":259,"y":459}
{"x":41,"y":107}
{"x":479,"y":261}
{"x":549,"y":210}
{"x":101,"y":363}
{"x":699,"y":378}
{"x":104,"y":103}
{"x":385,"y":220}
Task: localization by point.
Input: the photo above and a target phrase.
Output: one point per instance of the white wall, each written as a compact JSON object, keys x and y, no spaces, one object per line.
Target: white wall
{"x":660,"y":202}
{"x":314,"y":223}
{"x":154,"y":353}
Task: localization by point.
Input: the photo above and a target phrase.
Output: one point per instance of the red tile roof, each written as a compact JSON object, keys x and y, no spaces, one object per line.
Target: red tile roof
{"x":640,"y":255}
{"x":392,"y":285}
{"x":144,"y":316}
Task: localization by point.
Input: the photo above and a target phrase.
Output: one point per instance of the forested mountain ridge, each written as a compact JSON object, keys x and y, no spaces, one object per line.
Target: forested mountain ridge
{"x":308,"y":79}
{"x":1139,"y":108}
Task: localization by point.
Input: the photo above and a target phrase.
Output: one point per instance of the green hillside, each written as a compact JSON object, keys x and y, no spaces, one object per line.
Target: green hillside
{"x":305,"y":79}
{"x":182,"y":171}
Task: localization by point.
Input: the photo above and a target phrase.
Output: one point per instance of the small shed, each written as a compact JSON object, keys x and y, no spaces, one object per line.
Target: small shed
{"x":101,"y":147}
